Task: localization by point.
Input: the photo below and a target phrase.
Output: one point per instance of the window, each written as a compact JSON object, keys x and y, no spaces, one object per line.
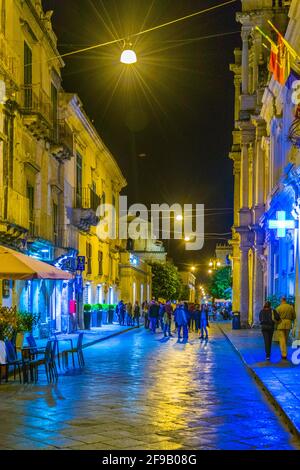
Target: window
{"x":27,"y":76}
{"x":78,"y":180}
{"x":54,"y":103}
{"x":55,"y":222}
{"x":89,"y":257}
{"x":30,"y":196}
{"x":100,"y":263}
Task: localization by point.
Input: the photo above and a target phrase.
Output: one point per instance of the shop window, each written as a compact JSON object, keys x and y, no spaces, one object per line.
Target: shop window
{"x":5,"y":289}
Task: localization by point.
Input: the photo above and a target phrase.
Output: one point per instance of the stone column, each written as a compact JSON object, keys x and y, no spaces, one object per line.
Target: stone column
{"x":245,"y":59}
{"x":260,"y":163}
{"x":244,"y":186}
{"x":244,"y":285}
{"x":237,"y":178}
{"x":258,"y":291}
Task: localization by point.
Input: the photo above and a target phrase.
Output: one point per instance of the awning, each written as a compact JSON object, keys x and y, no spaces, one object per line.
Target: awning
{"x":17,"y":266}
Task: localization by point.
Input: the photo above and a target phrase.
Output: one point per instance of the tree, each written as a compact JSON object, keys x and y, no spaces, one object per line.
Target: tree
{"x":166,"y":282}
{"x":184,"y":292}
{"x":221,"y":284}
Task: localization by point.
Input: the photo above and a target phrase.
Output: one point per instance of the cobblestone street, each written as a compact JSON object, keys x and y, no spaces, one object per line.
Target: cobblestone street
{"x":140,"y":392}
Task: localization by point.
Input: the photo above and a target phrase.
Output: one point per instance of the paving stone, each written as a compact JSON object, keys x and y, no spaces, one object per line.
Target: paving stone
{"x":139,"y":393}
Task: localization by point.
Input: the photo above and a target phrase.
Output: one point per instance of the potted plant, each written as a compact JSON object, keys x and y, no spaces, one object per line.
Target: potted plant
{"x":26,"y":321}
{"x":111,"y":311}
{"x":87,"y":308}
{"x":98,"y":310}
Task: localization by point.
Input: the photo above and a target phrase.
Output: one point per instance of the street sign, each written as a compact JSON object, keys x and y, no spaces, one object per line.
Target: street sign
{"x":80,"y":263}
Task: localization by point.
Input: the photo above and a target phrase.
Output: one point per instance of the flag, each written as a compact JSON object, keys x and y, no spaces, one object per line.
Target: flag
{"x":294,"y":76}
{"x":280,"y":61}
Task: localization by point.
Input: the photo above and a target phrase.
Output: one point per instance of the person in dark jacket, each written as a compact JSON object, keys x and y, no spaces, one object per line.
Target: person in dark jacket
{"x":268,"y":318}
{"x":204,"y":322}
{"x":181,"y":321}
{"x":121,"y":312}
{"x":153,"y":315}
{"x":136,"y":314}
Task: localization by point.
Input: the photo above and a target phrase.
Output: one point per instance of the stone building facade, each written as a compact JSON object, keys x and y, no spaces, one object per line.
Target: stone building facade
{"x":265,"y":155}
{"x":54,"y":172}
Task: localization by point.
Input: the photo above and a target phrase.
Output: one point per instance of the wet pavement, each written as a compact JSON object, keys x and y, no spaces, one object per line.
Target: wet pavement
{"x":140,"y":392}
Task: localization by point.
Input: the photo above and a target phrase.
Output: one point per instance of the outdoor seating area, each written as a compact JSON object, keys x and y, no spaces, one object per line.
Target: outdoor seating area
{"x":22,"y":359}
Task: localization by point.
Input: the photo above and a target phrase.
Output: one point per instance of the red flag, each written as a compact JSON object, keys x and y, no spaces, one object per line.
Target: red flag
{"x":280,"y":61}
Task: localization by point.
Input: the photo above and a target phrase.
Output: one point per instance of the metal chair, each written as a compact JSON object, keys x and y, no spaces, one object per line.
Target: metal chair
{"x":12,"y":360}
{"x":78,"y":350}
{"x":33,"y":362}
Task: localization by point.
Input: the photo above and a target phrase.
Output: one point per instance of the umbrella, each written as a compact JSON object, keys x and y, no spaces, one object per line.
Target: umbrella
{"x":17,"y":266}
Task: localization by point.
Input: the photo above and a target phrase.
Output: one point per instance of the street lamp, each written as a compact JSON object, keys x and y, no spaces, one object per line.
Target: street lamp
{"x":214,"y":264}
{"x":128,"y":55}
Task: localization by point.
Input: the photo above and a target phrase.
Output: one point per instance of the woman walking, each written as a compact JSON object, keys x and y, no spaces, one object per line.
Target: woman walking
{"x":268,"y":318}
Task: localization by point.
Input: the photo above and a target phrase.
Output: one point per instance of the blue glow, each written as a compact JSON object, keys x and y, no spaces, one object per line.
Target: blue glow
{"x":281,"y":224}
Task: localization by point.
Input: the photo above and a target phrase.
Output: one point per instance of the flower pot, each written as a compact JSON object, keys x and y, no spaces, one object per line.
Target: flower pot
{"x":87,"y":319}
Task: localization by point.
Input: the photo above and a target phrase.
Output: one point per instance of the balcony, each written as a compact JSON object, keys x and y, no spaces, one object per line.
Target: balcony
{"x":30,"y":156}
{"x":67,"y":237}
{"x":35,"y":105}
{"x":40,"y":226}
{"x":8,"y":60}
{"x":14,"y":222}
{"x":85,"y":211}
{"x":63,"y":147}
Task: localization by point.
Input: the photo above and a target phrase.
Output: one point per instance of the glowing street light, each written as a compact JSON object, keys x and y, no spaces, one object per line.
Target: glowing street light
{"x":193,"y":268}
{"x":179,"y":218}
{"x":128,"y":56}
{"x":187,"y":239}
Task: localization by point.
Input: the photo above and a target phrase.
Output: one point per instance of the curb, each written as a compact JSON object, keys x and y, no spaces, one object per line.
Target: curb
{"x":278,"y":408}
{"x":87,"y":345}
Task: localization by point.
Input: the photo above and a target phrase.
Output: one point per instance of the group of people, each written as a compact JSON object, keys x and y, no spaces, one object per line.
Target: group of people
{"x":281,"y":318}
{"x":128,"y":314}
{"x":162,"y":315}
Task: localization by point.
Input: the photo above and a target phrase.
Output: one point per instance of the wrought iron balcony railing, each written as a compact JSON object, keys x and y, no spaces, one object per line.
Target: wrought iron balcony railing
{"x":8,"y":60}
{"x":35,"y":101}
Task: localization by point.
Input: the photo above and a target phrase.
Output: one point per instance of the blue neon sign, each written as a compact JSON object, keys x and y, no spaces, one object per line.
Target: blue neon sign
{"x":281,"y":224}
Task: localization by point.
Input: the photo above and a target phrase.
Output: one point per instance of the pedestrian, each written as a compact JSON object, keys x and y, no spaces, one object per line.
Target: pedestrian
{"x":161,"y":315}
{"x":136,"y":314}
{"x":287,"y":316}
{"x":197,"y":318}
{"x":146,"y":315}
{"x":129,"y":314}
{"x":268,"y":318}
{"x":121,"y":312}
{"x":204,"y":324}
{"x":167,"y":319}
{"x":181,"y":321}
{"x":153,"y":315}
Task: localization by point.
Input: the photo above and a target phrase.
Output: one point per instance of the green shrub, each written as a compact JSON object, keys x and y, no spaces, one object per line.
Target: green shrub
{"x":87,"y":307}
{"x":26,"y":321}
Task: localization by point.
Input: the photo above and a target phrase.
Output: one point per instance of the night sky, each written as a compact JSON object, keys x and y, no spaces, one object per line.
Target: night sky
{"x":176,"y":106}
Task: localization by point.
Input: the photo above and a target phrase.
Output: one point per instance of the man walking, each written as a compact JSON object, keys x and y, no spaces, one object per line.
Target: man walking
{"x":167,"y":320}
{"x":153,"y":315}
{"x":136,"y":314}
{"x":181,"y":321}
{"x":287,"y":317}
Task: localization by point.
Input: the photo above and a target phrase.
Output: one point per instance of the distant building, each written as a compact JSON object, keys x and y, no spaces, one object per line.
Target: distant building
{"x":223,"y":253}
{"x":189,"y":280}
